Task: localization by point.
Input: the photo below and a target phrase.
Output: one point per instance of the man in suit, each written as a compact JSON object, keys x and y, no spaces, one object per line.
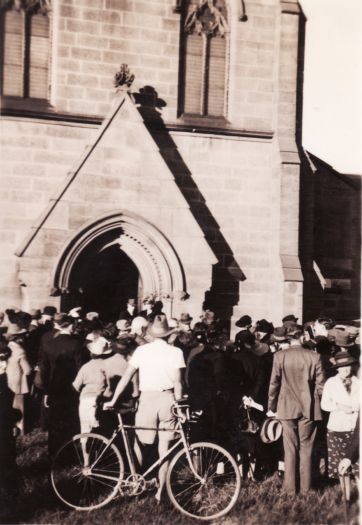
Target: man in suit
{"x":295,"y":390}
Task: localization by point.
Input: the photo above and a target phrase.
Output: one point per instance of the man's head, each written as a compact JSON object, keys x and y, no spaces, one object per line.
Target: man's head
{"x":65,"y":323}
{"x":159,"y":328}
{"x":131,"y":301}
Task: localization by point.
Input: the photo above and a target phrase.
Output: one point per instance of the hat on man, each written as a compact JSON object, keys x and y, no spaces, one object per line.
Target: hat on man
{"x":289,"y":318}
{"x":264,"y":326}
{"x":279,"y":335}
{"x":159,"y":327}
{"x":270,"y":430}
{"x":185,"y":318}
{"x":343,"y":359}
{"x":75,"y":312}
{"x":123,"y":325}
{"x":90,"y":316}
{"x":49,"y":310}
{"x":244,"y":320}
{"x":99,"y":346}
{"x":342,"y":337}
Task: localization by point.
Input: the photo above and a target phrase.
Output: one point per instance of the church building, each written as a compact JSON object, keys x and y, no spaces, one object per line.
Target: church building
{"x":152,"y":148}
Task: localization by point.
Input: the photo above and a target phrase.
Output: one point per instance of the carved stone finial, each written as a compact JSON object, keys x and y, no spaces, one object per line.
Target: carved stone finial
{"x":124,"y":77}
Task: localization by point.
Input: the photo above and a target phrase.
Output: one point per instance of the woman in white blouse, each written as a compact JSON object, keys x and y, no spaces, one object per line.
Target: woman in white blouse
{"x":341,"y":398}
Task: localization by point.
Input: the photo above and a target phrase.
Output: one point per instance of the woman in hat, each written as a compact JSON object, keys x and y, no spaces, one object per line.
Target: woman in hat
{"x":341,"y":399}
{"x":18,"y":369}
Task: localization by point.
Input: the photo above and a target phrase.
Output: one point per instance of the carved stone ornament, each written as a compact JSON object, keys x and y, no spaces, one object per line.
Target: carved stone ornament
{"x":29,"y":6}
{"x":206,"y":18}
{"x":124,"y":77}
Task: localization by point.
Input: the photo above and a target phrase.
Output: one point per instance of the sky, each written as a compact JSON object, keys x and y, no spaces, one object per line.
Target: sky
{"x":332,"y":107}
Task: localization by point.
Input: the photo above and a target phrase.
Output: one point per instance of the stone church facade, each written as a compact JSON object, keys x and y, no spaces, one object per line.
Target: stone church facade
{"x":183,"y":183}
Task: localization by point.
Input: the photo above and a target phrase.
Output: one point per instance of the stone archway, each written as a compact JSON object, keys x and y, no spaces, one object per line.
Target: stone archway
{"x":159,"y":267}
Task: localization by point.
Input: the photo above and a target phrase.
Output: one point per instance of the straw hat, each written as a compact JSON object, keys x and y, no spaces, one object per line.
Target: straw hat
{"x":270,"y":430}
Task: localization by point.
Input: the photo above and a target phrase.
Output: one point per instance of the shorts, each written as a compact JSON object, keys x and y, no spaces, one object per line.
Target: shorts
{"x":87,"y":413}
{"x":154,"y":411}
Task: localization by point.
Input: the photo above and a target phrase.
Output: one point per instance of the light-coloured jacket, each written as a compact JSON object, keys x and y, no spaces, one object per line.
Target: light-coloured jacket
{"x":335,"y":394}
{"x":18,"y":369}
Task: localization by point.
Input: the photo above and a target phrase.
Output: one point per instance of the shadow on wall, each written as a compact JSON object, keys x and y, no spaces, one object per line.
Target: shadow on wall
{"x":224,"y":292}
{"x":330,"y":237}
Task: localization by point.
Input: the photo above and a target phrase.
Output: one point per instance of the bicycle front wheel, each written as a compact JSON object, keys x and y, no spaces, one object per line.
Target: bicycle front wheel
{"x":87,"y":472}
{"x":214,"y":491}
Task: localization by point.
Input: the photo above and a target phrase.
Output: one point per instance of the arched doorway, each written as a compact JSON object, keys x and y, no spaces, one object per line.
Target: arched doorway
{"x":102,"y":279}
{"x":118,"y":256}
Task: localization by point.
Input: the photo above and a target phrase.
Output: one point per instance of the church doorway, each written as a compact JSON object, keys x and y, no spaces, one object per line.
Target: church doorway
{"x":116,"y":257}
{"x":102,"y":279}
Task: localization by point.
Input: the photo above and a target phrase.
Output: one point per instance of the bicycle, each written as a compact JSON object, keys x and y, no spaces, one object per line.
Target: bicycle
{"x":203,"y":479}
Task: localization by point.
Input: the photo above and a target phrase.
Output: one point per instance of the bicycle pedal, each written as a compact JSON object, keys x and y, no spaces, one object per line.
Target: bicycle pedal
{"x":152,"y":484}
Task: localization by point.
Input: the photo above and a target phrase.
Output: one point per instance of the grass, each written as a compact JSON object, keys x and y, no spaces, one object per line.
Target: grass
{"x":259,"y":503}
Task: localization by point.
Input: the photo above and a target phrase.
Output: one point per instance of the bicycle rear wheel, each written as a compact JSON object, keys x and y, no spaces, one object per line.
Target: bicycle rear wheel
{"x":87,"y":472}
{"x":216,"y":493}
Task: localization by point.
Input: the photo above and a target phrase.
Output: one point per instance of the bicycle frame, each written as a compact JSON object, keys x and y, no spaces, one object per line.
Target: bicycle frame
{"x":122,"y":428}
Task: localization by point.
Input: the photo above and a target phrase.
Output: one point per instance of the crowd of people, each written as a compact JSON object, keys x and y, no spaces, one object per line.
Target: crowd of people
{"x":280,"y":398}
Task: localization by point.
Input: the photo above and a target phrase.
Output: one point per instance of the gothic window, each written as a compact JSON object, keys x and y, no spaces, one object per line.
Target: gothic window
{"x":25,"y":49}
{"x":204,"y":61}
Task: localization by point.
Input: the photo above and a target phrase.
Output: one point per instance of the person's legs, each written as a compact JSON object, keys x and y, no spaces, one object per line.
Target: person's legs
{"x":290,"y":442}
{"x":166,"y":434}
{"x":307,"y":431}
{"x":163,"y":447}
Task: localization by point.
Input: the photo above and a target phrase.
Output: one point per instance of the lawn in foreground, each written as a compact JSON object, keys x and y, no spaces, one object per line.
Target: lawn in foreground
{"x":259,"y":503}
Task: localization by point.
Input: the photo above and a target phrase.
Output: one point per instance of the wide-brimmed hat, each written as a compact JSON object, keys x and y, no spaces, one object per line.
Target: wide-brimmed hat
{"x":245,"y":320}
{"x":288,"y":318}
{"x":159,"y":327}
{"x":99,"y":346}
{"x":264,"y":326}
{"x":270,"y":430}
{"x":185,"y":318}
{"x":279,"y":335}
{"x":123,"y":325}
{"x":90,"y":316}
{"x":343,"y":359}
{"x":49,"y":310}
{"x":75,"y":312}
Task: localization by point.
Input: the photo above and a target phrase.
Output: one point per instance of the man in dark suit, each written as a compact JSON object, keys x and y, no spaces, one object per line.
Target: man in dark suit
{"x":295,"y":390}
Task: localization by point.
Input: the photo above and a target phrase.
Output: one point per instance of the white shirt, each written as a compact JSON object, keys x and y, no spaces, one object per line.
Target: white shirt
{"x":334,"y":392}
{"x":157,"y":363}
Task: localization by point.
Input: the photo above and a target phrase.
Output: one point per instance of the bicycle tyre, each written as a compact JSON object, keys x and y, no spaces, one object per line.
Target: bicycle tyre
{"x":213,"y":498}
{"x":82,"y":487}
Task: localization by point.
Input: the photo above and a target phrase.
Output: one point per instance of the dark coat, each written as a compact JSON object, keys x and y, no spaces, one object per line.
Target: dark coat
{"x":296,"y":384}
{"x":61,"y":359}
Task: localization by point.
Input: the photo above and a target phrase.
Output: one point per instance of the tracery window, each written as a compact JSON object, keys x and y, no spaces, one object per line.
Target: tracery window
{"x":204,"y":58}
{"x":25,"y":49}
